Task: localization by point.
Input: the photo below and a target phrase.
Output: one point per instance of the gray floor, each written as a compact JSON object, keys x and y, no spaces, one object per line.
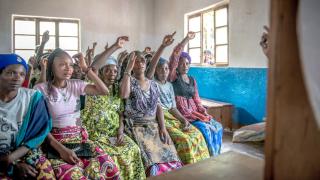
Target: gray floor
{"x":251,"y":149}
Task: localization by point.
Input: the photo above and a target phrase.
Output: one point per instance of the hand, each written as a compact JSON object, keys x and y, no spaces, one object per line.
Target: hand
{"x":45,"y":37}
{"x":191,"y":35}
{"x":5,"y":161}
{"x":69,"y":156}
{"x":121,"y":41}
{"x":186,"y":125}
{"x":122,"y":56}
{"x":120,"y":138}
{"x":265,"y":41}
{"x":106,"y":46}
{"x":44,"y":63}
{"x":80,"y":60}
{"x":164,"y":136}
{"x":132,"y":59}
{"x":168,"y":39}
{"x":94,"y":45}
{"x":32,"y":61}
{"x":23,"y":170}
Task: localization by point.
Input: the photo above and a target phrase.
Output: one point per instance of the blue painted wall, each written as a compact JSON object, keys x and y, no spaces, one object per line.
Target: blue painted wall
{"x":245,"y":88}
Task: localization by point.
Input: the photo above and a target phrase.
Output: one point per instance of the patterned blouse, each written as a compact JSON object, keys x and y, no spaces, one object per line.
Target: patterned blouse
{"x":142,"y":103}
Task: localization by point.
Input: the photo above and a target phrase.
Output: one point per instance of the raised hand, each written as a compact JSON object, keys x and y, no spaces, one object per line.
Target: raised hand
{"x":191,"y":35}
{"x":121,"y":41}
{"x":168,"y":39}
{"x":80,"y":60}
{"x":45,"y":37}
{"x":265,"y":41}
{"x":122,"y":56}
{"x":131,"y":61}
{"x":44,"y":63}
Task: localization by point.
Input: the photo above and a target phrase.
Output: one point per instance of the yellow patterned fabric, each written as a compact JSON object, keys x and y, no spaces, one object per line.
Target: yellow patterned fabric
{"x":191,"y":145}
{"x":101,"y":118}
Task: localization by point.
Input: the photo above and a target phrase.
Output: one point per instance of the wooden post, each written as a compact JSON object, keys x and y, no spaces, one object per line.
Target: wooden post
{"x":293,"y":141}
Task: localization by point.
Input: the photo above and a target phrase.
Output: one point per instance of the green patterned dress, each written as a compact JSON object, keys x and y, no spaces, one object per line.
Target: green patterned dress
{"x":101,"y":118}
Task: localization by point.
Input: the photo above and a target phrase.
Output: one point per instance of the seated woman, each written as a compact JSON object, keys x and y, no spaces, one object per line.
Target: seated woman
{"x":25,"y":123}
{"x":188,"y":141}
{"x":63,"y":98}
{"x":103,"y":117}
{"x":188,"y":100}
{"x":145,"y":121}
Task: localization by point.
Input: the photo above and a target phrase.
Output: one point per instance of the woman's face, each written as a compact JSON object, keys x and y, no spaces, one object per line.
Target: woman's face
{"x":162,"y":71}
{"x":139,"y":65}
{"x":62,"y":67}
{"x":183,"y":66}
{"x":77,"y":73}
{"x":12,"y":77}
{"x":109,"y":74}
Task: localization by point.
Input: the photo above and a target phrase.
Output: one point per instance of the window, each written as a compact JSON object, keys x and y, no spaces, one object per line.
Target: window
{"x":210,"y":45}
{"x":27,"y":34}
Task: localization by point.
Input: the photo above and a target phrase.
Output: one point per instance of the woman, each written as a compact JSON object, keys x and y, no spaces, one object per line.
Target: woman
{"x":188,"y":141}
{"x":145,"y":119}
{"x":68,"y":136}
{"x":103,"y":117}
{"x":188,"y":100}
{"x":21,"y":133}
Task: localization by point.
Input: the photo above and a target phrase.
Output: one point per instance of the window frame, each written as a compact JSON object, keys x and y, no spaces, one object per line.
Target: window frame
{"x":201,"y":13}
{"x":37,"y":20}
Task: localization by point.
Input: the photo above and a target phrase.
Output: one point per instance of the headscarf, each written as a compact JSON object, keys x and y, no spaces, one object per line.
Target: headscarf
{"x":185,"y":55}
{"x":11,"y":59}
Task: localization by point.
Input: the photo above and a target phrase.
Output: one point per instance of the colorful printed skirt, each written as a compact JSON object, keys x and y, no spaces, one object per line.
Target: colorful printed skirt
{"x":212,"y":132}
{"x":190,"y":144}
{"x":100,"y":166}
{"x":158,"y":157}
{"x":126,"y":156}
{"x":36,"y":159}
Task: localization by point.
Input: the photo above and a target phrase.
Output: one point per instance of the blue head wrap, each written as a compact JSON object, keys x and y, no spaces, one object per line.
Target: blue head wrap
{"x":162,"y":61}
{"x":111,"y":61}
{"x":11,"y":59}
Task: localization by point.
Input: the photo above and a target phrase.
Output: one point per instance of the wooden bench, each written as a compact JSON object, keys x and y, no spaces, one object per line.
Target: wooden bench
{"x":220,"y":111}
{"x":229,"y":165}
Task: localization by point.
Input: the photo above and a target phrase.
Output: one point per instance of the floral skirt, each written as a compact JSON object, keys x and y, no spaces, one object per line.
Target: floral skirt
{"x":100,"y":166}
{"x":157,"y":156}
{"x":191,"y":145}
{"x":126,"y":156}
{"x":36,"y":159}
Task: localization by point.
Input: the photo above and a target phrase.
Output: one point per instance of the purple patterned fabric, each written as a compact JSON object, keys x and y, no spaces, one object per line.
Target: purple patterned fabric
{"x":142,"y":103}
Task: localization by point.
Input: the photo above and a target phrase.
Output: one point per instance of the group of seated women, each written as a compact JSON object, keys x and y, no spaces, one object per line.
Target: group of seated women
{"x":137,"y":120}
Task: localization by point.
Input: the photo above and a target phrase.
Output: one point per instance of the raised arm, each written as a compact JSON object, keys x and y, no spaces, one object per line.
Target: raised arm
{"x":265,"y":42}
{"x":167,"y":41}
{"x":98,"y":87}
{"x":100,"y":59}
{"x":45,"y":39}
{"x":125,"y":86}
{"x":43,"y":73}
{"x":174,"y":58}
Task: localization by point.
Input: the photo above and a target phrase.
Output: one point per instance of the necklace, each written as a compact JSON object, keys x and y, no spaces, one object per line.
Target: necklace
{"x":63,"y":93}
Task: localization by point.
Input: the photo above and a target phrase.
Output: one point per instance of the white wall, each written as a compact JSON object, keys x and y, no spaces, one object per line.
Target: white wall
{"x":101,"y":20}
{"x":246,"y":19}
{"x":146,"y":22}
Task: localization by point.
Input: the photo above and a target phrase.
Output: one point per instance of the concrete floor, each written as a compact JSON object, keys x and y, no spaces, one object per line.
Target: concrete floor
{"x":251,"y":149}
